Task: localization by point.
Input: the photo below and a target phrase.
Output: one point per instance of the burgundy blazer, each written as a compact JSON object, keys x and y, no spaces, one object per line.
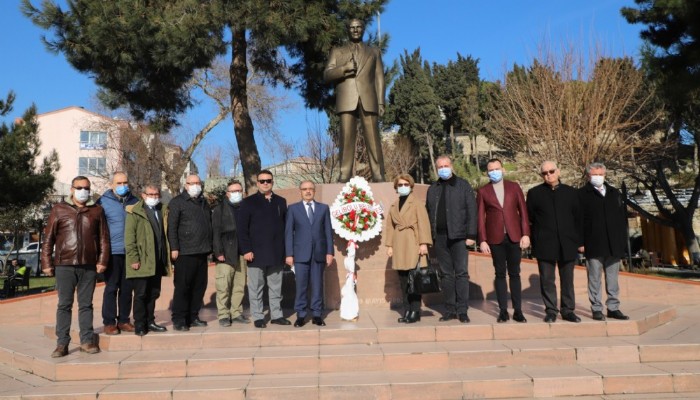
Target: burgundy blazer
{"x":493,"y":217}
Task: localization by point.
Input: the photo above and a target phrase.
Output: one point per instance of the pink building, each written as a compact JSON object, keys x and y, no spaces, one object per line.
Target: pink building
{"x":86,"y":142}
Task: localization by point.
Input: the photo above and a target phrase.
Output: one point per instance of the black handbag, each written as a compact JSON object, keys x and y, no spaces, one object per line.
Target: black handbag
{"x":423,"y":280}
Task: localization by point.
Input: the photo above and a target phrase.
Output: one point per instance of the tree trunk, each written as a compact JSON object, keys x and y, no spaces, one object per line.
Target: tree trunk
{"x":476,"y":153}
{"x":691,"y":242}
{"x":453,"y":144}
{"x":242,"y":123}
{"x":429,"y":141}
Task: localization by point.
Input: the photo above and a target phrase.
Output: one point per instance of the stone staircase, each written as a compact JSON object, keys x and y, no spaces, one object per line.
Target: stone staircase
{"x":654,"y":355}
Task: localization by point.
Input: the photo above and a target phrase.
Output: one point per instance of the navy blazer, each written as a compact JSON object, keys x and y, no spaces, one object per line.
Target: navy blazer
{"x":304,"y":239}
{"x":261,"y":229}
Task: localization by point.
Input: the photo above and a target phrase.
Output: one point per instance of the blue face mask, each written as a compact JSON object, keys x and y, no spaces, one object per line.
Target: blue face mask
{"x":445,"y":173}
{"x":496,"y":175}
{"x":122,"y":190}
{"x":403,"y":190}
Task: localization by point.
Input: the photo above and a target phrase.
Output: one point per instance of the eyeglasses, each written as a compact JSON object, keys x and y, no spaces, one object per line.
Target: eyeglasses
{"x":81,"y":187}
{"x":152,"y":194}
{"x":307,"y":188}
{"x":234,"y":191}
{"x":550,"y":172}
{"x":265,"y":181}
{"x":193,"y":183}
{"x":403,"y":185}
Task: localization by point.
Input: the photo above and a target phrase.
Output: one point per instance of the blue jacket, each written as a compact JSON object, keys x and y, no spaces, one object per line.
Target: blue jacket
{"x":305,"y":240}
{"x":261,"y":229}
{"x":115,"y":212}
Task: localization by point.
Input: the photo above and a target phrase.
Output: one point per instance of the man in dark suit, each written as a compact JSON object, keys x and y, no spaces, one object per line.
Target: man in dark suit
{"x":604,"y":240}
{"x":261,"y":239}
{"x":555,"y":218}
{"x":504,"y":229}
{"x":358,"y":73}
{"x":309,"y":245}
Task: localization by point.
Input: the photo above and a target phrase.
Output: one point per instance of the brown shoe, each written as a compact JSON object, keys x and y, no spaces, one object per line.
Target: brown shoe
{"x":90,"y":348}
{"x":126,"y":327}
{"x":111,"y":330}
{"x":61,"y":351}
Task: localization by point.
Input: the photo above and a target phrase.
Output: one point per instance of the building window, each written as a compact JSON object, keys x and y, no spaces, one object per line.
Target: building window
{"x":92,"y":166}
{"x":92,"y":140}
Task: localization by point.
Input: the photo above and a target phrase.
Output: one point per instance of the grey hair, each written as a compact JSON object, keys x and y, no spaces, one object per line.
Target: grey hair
{"x":548,"y":161}
{"x":115,"y":173}
{"x":151,"y":186}
{"x":307,"y":181}
{"x":595,"y":165}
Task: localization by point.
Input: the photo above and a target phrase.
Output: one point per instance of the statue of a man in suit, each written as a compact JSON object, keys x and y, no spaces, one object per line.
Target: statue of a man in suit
{"x":358,"y":73}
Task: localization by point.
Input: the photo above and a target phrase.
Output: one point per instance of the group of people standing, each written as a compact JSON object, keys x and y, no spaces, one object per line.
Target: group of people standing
{"x":135,"y":242}
{"x":558,"y":221}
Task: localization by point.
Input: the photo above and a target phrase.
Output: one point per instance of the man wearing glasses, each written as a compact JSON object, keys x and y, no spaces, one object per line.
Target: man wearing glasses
{"x":231,"y":268}
{"x":78,"y":229}
{"x":146,"y":256}
{"x":261,"y":239}
{"x":190,"y":237}
{"x":309,"y":248}
{"x":555,"y":219}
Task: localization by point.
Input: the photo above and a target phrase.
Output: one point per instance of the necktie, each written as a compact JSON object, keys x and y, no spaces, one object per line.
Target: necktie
{"x":155,"y":212}
{"x":310,"y":212}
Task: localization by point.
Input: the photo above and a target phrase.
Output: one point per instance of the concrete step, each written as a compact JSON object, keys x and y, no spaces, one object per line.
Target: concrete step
{"x":612,"y":381}
{"x":380,"y":326}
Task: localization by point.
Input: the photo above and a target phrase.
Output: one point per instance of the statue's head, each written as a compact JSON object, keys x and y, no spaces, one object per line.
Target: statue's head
{"x":356,"y":29}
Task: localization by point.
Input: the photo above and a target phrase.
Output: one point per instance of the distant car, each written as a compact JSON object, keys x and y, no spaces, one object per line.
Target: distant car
{"x":32,"y":247}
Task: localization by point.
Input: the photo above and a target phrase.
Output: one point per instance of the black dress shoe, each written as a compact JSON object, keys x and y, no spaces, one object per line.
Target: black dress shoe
{"x":598,"y":316}
{"x":198,"y":323}
{"x":405,"y":315}
{"x":518,"y":316}
{"x":318,"y":321}
{"x":280,"y":321}
{"x":260,"y":323}
{"x":550,"y":318}
{"x":464,"y":318}
{"x":241,"y":319}
{"x":140,"y":332}
{"x":181,"y":328}
{"x":153,"y":327}
{"x":617,"y":314}
{"x":299,"y":322}
{"x":503,"y":316}
{"x":448,"y":316}
{"x":571,"y":317}
{"x":413,"y":316}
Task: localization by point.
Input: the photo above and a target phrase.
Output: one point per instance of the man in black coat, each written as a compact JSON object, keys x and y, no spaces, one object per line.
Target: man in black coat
{"x":190,"y":237}
{"x":231,"y":268}
{"x":555,"y":218}
{"x":261,"y":239}
{"x":451,"y":205}
{"x":604,"y":234}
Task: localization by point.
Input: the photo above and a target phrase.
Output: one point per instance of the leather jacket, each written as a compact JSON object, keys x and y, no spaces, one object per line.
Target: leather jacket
{"x":79,"y":234}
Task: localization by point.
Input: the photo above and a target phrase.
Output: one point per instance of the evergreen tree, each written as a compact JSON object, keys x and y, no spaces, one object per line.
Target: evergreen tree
{"x":451,"y":83}
{"x":415,"y":107}
{"x":22,"y":181}
{"x":143,"y":53}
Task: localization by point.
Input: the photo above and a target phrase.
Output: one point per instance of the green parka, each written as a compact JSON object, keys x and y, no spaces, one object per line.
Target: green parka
{"x":140,"y":242}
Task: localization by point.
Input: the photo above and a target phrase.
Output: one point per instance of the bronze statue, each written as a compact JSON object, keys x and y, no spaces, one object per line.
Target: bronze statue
{"x":358,"y":73}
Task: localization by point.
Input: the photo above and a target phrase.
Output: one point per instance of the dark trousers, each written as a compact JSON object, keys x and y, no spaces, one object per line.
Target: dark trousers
{"x":10,"y":284}
{"x":190,"y":284}
{"x":305,"y":273}
{"x":548,"y":287}
{"x":118,"y":291}
{"x":506,"y":258}
{"x":146,"y":292}
{"x":69,"y":279}
{"x":452,"y":257}
{"x":411,"y":302}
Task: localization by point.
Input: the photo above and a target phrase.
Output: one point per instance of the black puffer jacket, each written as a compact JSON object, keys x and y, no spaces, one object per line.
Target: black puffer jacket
{"x":189,"y":225}
{"x":460,"y":207}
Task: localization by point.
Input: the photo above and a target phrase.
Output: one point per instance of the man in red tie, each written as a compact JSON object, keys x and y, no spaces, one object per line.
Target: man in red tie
{"x":504,"y":230}
{"x":604,"y":240}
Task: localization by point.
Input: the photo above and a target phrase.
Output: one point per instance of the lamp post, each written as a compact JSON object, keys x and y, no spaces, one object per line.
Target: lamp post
{"x":627,"y":228}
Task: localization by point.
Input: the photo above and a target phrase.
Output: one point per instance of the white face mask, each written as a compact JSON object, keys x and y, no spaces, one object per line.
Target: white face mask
{"x":152,"y":201}
{"x":403,"y":190}
{"x":235,"y":197}
{"x":597,"y":180}
{"x":194,"y":190}
{"x":82,"y":195}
